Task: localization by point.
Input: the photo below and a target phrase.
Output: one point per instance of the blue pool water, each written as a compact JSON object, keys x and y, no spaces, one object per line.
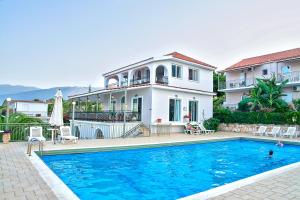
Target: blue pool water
{"x":166,"y":172}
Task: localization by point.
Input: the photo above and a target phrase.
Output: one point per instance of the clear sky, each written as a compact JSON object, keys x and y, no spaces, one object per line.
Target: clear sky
{"x":72,"y":42}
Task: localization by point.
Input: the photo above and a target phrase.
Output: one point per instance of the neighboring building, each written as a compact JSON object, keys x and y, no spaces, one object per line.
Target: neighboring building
{"x":241,"y":77}
{"x":156,"y":89}
{"x":30,"y":108}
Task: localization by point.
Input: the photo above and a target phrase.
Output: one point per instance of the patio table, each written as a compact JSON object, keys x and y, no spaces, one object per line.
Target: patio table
{"x":54,"y":133}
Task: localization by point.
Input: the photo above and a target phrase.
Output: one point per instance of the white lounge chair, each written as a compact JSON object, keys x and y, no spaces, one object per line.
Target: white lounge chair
{"x":36,"y":134}
{"x":261,"y":131}
{"x":290,"y":132}
{"x":274,"y":132}
{"x":66,"y":134}
{"x":204,"y":130}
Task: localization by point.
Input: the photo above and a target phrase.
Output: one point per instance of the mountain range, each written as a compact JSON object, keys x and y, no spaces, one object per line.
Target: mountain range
{"x":19,"y":92}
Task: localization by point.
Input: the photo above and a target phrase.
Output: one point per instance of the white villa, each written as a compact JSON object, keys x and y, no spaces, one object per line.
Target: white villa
{"x":156,"y":91}
{"x":241,"y":77}
{"x":29,"y":108}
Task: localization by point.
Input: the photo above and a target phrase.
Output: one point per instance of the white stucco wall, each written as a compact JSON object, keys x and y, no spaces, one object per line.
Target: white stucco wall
{"x":31,"y":109}
{"x":160,"y":104}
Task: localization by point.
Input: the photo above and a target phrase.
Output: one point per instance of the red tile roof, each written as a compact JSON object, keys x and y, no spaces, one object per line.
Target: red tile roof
{"x":189,"y":59}
{"x":272,"y":57}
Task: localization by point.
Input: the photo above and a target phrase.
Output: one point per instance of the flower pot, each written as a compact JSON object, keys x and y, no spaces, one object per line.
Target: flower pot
{"x":5,"y":138}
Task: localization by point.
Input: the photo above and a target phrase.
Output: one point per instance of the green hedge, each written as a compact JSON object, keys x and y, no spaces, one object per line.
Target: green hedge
{"x":211,"y":124}
{"x":227,"y":116}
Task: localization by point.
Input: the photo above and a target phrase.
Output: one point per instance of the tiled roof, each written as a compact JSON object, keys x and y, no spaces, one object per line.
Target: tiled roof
{"x":189,"y":59}
{"x":272,"y":57}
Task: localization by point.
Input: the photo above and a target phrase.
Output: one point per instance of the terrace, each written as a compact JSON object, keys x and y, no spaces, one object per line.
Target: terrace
{"x":21,"y":179}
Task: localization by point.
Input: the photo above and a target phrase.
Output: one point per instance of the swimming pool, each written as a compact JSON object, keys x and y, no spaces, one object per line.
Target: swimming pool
{"x":168,"y":172}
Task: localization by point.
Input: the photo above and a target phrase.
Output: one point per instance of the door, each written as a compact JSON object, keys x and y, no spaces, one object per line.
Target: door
{"x":193,"y":110}
{"x":137,"y":104}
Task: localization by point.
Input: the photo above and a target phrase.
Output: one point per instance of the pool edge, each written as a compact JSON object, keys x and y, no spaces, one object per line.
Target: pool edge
{"x":214,"y":192}
{"x":57,"y":186}
{"x":61,"y":193}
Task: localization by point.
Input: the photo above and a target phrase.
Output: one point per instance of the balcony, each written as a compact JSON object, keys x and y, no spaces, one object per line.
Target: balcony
{"x":292,"y":77}
{"x":162,"y":80}
{"x":235,"y":84}
{"x":143,"y":80}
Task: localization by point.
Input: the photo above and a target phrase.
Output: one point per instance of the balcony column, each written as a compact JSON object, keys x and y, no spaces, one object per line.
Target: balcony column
{"x":129,"y":77}
{"x":120,"y":79}
{"x":152,"y":74}
{"x":87,"y":101}
{"x":97,"y":102}
{"x":109,"y":105}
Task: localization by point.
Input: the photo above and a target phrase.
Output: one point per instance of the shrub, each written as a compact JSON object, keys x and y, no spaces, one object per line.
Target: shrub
{"x":258,"y":117}
{"x":212,"y":124}
{"x":244,"y":105}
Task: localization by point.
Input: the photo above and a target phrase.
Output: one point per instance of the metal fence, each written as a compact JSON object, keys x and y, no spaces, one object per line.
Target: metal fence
{"x":20,"y":131}
{"x":108,"y":116}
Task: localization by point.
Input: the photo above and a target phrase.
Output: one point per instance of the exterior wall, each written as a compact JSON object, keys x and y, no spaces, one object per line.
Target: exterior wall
{"x":233,"y":98}
{"x":160,"y":105}
{"x":89,"y":129}
{"x":249,"y":128}
{"x":31,"y":109}
{"x":205,"y":82}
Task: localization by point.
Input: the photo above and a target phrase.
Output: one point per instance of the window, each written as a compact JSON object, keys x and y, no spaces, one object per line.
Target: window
{"x":193,"y":74}
{"x":193,"y":110}
{"x":176,"y":71}
{"x":264,"y":72}
{"x":174,"y":110}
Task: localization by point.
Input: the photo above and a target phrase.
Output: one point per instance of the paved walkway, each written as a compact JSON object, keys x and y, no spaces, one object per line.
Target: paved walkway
{"x":18,"y":177}
{"x":281,"y":187}
{"x":20,"y":180}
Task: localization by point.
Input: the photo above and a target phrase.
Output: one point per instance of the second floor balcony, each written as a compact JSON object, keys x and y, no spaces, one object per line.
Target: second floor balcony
{"x":292,"y":77}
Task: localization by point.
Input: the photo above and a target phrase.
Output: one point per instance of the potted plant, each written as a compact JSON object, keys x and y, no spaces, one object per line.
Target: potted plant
{"x":186,"y":118}
{"x":158,"y":120}
{"x":6,"y":136}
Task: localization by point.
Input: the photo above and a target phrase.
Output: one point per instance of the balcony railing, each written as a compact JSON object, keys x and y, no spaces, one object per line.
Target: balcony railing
{"x":292,"y":77}
{"x":108,"y":116}
{"x":162,"y":80}
{"x":143,"y":80}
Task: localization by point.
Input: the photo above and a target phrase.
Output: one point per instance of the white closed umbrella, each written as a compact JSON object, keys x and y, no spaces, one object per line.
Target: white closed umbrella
{"x":56,"y":118}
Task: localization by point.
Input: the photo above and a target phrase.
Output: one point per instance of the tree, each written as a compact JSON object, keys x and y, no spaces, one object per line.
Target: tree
{"x":265,"y":96}
{"x":220,"y":97}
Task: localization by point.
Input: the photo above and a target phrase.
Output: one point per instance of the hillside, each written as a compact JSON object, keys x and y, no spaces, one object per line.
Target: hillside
{"x":44,"y":94}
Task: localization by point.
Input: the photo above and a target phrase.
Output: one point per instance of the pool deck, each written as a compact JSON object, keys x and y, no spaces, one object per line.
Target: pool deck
{"x":19,"y":179}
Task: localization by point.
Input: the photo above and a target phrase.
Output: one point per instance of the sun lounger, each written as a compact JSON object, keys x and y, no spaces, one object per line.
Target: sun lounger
{"x":274,"y":132}
{"x":36,"y":134}
{"x":291,"y":132}
{"x":66,"y":134}
{"x":204,"y":130}
{"x":261,"y":131}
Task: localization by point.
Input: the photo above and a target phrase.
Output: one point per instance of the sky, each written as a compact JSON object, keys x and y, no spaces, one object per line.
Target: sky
{"x":53,"y":43}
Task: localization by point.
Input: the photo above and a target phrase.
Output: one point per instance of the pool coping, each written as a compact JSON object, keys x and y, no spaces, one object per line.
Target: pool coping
{"x":62,"y":191}
{"x":58,"y":187}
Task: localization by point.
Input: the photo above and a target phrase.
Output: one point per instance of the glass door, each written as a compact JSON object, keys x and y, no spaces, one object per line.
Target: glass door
{"x":193,"y":110}
{"x":137,"y":103}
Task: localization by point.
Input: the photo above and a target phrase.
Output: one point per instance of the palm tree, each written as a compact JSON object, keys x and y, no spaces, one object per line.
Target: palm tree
{"x":266,"y":95}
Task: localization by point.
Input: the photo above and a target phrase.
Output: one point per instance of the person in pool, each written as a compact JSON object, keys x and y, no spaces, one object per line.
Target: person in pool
{"x":271,"y":153}
{"x":279,"y":144}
